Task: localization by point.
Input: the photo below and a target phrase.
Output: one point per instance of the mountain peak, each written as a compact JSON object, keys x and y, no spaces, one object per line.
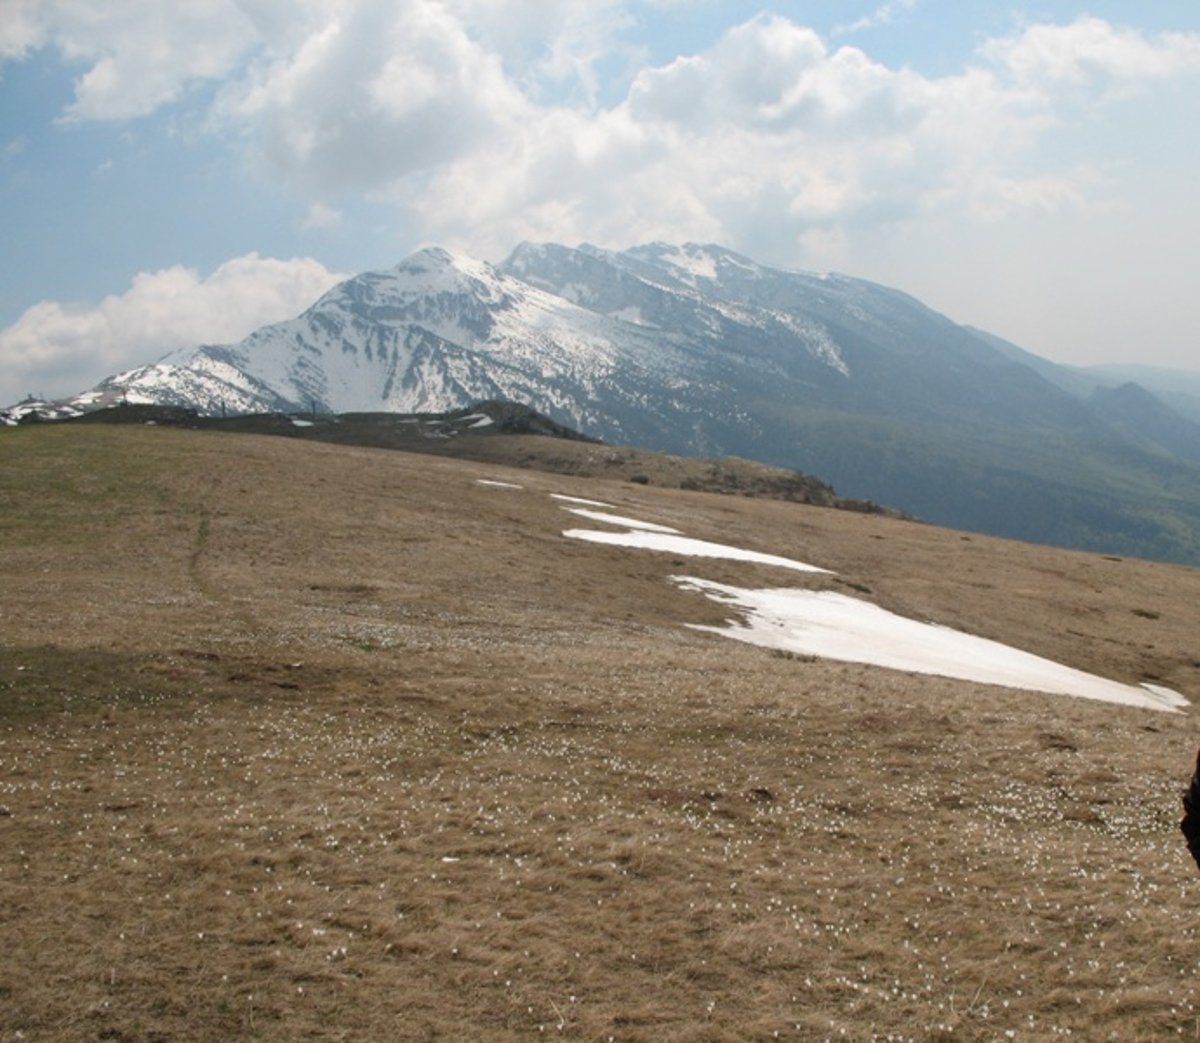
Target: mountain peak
{"x":527,"y":256}
{"x":431,"y":272}
{"x":690,"y":262}
{"x":437,"y":261}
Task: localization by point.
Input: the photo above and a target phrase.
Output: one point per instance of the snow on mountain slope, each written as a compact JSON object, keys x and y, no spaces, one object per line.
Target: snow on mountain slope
{"x":679,"y":289}
{"x":683,"y":348}
{"x":589,"y":337}
{"x":435,"y":332}
{"x":689,"y":348}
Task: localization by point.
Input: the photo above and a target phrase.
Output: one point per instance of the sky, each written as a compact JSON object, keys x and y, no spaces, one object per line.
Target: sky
{"x":177,"y":174}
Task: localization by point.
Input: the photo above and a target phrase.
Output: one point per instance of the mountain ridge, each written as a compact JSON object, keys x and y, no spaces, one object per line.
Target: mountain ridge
{"x":697,"y":350}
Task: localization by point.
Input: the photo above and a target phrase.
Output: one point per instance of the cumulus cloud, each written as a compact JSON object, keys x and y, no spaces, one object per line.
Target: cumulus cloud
{"x":772,"y":134}
{"x":21,"y":29}
{"x":479,"y":118}
{"x":138,"y":54}
{"x":378,"y":92}
{"x":63,"y":348}
{"x":779,"y":78}
{"x":552,"y":44}
{"x":1091,"y":50}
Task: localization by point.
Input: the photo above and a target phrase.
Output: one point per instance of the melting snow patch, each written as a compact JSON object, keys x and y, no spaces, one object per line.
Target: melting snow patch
{"x":301,"y":423}
{"x":673,"y":544}
{"x":835,"y":626}
{"x":617,"y":519}
{"x":476,"y":420}
{"x":1168,"y":695}
{"x":499,"y":485}
{"x":577,"y":499}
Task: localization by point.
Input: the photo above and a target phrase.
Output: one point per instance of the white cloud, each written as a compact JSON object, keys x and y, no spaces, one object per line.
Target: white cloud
{"x":757,"y":141}
{"x":14,"y":148}
{"x":380,"y":91}
{"x":779,"y":81}
{"x":445,"y":107}
{"x":1092,"y":51}
{"x":479,"y":120}
{"x":550,"y":45}
{"x":139,"y":54}
{"x":779,"y":144}
{"x":58,"y":349}
{"x":885,"y":14}
{"x":21,"y":28}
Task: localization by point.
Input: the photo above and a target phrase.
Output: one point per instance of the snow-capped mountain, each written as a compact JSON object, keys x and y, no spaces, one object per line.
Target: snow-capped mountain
{"x":623,"y":346}
{"x":594,"y":338}
{"x":695,"y":349}
{"x":436,"y":331}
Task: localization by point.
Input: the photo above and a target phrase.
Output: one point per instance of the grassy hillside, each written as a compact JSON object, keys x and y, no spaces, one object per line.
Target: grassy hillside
{"x":313,"y":741}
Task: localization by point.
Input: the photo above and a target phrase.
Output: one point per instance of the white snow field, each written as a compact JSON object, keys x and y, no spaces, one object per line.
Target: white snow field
{"x":617,"y":519}
{"x":580,"y":500}
{"x":685,"y":545}
{"x":838,"y":627}
{"x":835,"y":626}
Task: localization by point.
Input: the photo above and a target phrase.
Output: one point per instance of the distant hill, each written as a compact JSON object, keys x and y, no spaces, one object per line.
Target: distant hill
{"x":1180,"y":389}
{"x":696,"y":350}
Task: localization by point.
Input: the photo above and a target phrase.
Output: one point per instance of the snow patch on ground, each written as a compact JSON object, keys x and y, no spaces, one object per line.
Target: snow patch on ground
{"x":579,"y":499}
{"x":617,"y":519}
{"x":476,"y":420}
{"x":835,"y":626}
{"x":498,"y":485}
{"x":685,"y":545}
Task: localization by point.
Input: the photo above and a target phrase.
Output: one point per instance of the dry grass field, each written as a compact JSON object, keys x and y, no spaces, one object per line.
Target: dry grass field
{"x":302,"y":741}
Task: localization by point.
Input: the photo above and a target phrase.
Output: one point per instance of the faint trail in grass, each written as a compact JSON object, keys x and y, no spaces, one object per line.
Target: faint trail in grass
{"x":231,"y":607}
{"x":198,"y":548}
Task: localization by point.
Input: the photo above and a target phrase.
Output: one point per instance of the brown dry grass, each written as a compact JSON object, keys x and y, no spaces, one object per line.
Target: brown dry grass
{"x":311,"y":742}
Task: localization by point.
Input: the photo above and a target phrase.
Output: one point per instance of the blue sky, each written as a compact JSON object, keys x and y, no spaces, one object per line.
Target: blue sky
{"x":180,"y":173}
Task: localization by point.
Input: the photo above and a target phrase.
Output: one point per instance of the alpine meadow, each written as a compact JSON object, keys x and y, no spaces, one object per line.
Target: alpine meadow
{"x":312,"y":740}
